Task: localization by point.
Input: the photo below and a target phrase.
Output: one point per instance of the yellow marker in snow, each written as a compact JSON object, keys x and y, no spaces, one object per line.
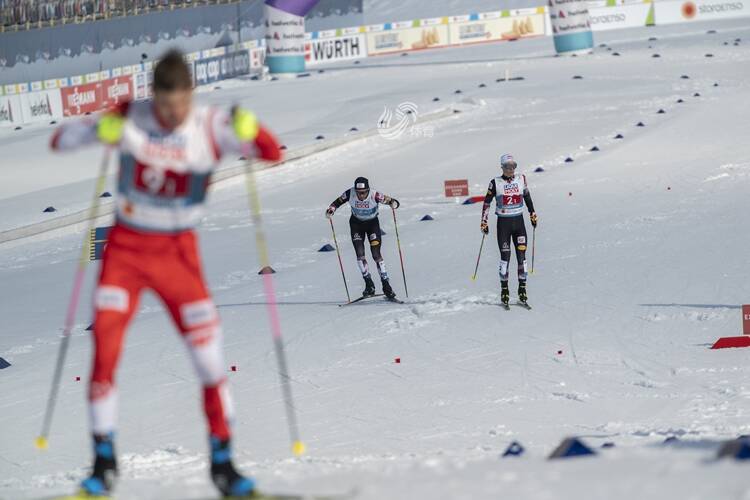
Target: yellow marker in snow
{"x":298,"y":448}
{"x":41,"y":443}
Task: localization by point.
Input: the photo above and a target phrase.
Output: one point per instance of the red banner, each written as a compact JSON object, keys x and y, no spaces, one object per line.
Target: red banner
{"x":456,"y":188}
{"x":80,"y":99}
{"x":116,"y":91}
{"x":91,"y":97}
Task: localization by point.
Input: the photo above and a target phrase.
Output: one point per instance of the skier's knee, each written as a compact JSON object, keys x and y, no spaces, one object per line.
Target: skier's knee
{"x":197,"y":314}
{"x":521,"y":244}
{"x":111,"y":298}
{"x":377,"y":256}
{"x":205,"y":345}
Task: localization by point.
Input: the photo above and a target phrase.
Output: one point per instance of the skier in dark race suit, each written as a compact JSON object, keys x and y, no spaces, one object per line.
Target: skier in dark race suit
{"x":510,"y":192}
{"x":364,"y":225}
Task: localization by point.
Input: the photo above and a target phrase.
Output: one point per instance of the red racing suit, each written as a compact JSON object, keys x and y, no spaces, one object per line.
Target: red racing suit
{"x":161,"y":187}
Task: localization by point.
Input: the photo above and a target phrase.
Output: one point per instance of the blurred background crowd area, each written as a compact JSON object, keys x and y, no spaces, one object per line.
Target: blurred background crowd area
{"x":28,"y":14}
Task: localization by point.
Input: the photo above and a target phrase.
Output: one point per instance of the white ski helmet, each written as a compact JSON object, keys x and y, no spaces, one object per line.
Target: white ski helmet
{"x":507,"y":160}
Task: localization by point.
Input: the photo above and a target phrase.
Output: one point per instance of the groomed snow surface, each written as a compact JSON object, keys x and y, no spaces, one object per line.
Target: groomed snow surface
{"x":641,"y":264}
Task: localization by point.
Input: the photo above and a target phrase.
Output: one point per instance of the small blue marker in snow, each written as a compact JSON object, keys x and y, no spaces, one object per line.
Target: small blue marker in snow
{"x":513,"y":450}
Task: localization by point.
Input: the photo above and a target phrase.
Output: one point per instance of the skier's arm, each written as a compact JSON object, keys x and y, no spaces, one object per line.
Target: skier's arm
{"x":239,"y":130}
{"x":344,"y":198}
{"x":74,"y":134}
{"x":387,"y":200}
{"x":106,"y":129}
{"x":491,"y":192}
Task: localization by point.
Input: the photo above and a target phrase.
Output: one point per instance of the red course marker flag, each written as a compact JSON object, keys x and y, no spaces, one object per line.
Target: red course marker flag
{"x":746,"y":319}
{"x":744,"y":341}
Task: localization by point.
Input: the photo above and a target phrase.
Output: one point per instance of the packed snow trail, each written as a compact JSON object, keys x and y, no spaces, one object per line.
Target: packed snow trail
{"x":640,"y":266}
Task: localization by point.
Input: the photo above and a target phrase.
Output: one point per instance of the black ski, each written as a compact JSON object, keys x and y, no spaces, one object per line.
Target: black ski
{"x":505,"y":306}
{"x":256,"y":495}
{"x":278,"y":496}
{"x":394,"y":300}
{"x":525,"y":305}
{"x":361,"y":299}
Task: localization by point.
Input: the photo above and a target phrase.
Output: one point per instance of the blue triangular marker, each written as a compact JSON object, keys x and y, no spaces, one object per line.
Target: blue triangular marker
{"x":572,"y":447}
{"x":514,"y":450}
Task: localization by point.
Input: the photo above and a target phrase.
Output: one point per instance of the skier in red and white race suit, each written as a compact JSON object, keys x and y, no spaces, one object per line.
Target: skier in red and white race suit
{"x":168,"y":148}
{"x":510,"y":192}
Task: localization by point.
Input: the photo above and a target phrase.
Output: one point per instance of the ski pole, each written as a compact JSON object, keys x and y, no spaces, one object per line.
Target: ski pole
{"x":533,"y":248}
{"x":341,"y":264}
{"x":298,"y":448}
{"x":42,"y":441}
{"x":400,"y":253}
{"x":481,"y":245}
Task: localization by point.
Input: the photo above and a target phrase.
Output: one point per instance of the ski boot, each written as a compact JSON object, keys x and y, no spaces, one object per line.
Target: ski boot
{"x":522,"y":297}
{"x":504,"y":293}
{"x":225,"y":477}
{"x":369,"y":287}
{"x":387,"y":290}
{"x":102,"y":479}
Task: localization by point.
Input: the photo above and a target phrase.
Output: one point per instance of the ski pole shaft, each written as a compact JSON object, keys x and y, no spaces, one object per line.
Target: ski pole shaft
{"x":476,"y":269}
{"x":341,"y":263}
{"x":70,"y":316}
{"x":533,"y":248}
{"x":400,"y":253}
{"x":298,"y":448}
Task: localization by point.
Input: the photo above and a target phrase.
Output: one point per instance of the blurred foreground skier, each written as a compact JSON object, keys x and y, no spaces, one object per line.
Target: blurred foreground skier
{"x":365,"y":225}
{"x":168,"y":149}
{"x":510,"y":192}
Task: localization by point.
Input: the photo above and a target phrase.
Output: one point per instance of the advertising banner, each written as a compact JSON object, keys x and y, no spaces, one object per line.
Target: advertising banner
{"x":285,"y":34}
{"x":116,"y":90}
{"x":10,"y":110}
{"x":340,"y":48}
{"x":393,"y":39}
{"x":142,"y":85}
{"x":257,"y":59}
{"x":669,"y":12}
{"x":629,"y":15}
{"x":81,"y":99}
{"x":571,"y":26}
{"x":456,"y":187}
{"x":500,"y":28}
{"x":41,"y":106}
{"x":214,"y":69}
